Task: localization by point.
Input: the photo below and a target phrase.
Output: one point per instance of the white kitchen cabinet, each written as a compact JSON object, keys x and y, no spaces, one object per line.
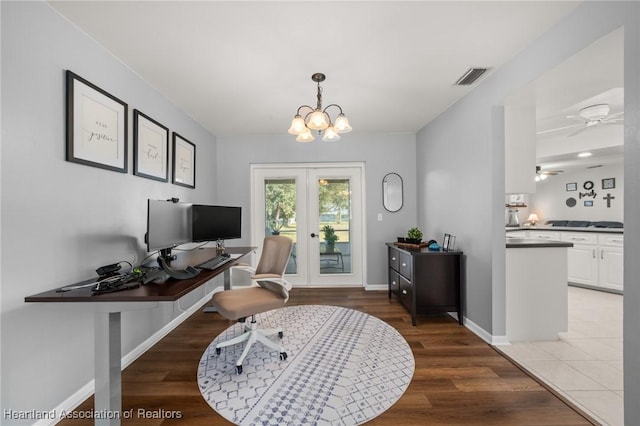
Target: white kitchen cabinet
{"x":595,"y":260}
{"x":582,"y":262}
{"x":611,"y":262}
{"x":545,"y":235}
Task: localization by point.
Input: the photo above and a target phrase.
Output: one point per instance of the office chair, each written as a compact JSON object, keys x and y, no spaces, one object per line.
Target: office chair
{"x":270,"y":291}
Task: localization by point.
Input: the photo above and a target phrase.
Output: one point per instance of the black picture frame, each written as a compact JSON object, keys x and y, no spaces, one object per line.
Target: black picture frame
{"x":448,"y":242}
{"x":571,"y":186}
{"x":150,"y":148}
{"x":97,"y":126}
{"x":184,"y":162}
{"x":608,"y":183}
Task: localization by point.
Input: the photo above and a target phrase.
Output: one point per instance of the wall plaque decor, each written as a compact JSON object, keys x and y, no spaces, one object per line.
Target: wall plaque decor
{"x":609,"y":183}
{"x":588,"y":203}
{"x":184,"y":162}
{"x":571,"y":202}
{"x":588,"y":185}
{"x":572,"y":186}
{"x":150,"y":148}
{"x":96,"y":126}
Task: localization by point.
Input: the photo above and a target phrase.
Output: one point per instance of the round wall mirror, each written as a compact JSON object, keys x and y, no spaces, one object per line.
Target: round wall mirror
{"x":392,"y":192}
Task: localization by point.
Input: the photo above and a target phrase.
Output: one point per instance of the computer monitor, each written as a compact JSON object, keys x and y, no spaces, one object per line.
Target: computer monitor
{"x":168,"y":225}
{"x":212,"y":223}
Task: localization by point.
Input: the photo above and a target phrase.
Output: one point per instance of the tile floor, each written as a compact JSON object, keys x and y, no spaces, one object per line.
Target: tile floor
{"x":585,"y":364}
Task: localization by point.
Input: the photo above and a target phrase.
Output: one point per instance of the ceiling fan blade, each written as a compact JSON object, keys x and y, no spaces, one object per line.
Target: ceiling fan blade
{"x":576,"y":117}
{"x":558,"y":129}
{"x":578,"y":131}
{"x":551,"y":172}
{"x":617,"y":114}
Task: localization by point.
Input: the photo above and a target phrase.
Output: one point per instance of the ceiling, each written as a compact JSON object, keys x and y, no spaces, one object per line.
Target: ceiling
{"x":244,"y":67}
{"x":592,"y":76}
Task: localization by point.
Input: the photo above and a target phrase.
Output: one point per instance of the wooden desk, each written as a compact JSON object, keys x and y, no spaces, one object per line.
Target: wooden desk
{"x":108,"y":307}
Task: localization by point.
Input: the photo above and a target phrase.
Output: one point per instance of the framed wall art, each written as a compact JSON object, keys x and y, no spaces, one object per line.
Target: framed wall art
{"x":150,"y":148}
{"x":573,"y":186}
{"x":609,"y":183}
{"x":184,"y":162}
{"x":96,"y":126}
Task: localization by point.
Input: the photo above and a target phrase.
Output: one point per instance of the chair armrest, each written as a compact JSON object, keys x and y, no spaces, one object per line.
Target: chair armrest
{"x":244,"y":267}
{"x":264,"y":276}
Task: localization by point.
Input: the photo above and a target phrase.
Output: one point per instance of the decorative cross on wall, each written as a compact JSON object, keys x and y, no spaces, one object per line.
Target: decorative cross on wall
{"x":608,"y":198}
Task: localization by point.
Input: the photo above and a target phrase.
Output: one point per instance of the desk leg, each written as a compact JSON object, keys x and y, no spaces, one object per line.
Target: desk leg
{"x":227,"y":286}
{"x":108,"y":384}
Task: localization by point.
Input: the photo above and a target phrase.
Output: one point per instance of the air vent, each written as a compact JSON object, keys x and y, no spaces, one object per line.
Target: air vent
{"x":470,"y":76}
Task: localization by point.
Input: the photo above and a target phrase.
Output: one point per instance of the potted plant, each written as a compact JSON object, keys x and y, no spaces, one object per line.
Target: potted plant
{"x":330,"y":237}
{"x":414,"y":236}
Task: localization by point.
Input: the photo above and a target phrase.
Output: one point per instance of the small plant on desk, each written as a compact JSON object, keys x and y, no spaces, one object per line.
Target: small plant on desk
{"x":414,"y":236}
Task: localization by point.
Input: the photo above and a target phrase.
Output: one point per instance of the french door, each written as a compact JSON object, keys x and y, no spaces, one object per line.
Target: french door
{"x":318,"y":206}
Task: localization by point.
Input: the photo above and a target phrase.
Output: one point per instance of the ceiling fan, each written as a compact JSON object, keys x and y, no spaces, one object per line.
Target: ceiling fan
{"x":543,"y":174}
{"x":590,"y":116}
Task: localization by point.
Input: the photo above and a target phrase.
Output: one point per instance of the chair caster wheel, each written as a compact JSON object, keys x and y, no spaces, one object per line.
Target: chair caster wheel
{"x":283,"y":356}
{"x":280,"y":334}
{"x":218,"y":350}
{"x":239,"y":369}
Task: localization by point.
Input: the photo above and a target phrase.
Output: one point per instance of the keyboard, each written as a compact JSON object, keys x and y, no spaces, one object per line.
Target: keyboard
{"x":214,"y":263}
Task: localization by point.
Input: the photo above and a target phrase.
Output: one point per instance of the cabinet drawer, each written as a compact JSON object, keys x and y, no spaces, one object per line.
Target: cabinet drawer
{"x":406,"y":294}
{"x":394,"y":259}
{"x":614,"y":240}
{"x":580,"y":237}
{"x":546,"y":235}
{"x":405,"y":265}
{"x":394,"y":282}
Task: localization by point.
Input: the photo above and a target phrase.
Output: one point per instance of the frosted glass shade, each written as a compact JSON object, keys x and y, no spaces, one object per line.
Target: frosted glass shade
{"x":317,"y":121}
{"x":305,"y":136}
{"x":297,"y":125}
{"x":330,"y":134}
{"x":342,"y":124}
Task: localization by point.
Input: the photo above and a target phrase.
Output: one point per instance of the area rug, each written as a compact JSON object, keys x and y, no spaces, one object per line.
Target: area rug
{"x":344,"y":367}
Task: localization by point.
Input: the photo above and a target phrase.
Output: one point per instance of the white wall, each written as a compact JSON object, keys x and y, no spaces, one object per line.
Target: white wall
{"x":61,"y":220}
{"x":460,"y":191}
{"x":382,"y":154}
{"x":549,"y":200}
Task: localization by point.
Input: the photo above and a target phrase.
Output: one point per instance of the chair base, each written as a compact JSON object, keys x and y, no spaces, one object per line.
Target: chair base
{"x":252,"y":335}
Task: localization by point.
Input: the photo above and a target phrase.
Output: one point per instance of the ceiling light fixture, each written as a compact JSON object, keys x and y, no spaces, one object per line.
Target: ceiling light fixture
{"x":318,"y":119}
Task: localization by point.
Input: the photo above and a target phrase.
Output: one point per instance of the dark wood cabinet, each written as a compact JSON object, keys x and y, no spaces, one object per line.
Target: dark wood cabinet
{"x":425,"y":281}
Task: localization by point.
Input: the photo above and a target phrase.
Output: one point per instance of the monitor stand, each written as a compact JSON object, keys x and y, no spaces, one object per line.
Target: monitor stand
{"x":179,"y":274}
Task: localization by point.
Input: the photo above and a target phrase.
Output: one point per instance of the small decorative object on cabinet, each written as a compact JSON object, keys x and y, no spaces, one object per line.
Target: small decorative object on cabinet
{"x":425,"y":281}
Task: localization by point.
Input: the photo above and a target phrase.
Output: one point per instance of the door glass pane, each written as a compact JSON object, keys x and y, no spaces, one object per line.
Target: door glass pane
{"x":334,"y":201}
{"x":280,"y":213}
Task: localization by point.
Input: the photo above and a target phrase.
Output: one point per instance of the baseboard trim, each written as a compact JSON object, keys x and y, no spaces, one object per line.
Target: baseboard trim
{"x":376,"y":287}
{"x":482,"y":333}
{"x":78,"y":397}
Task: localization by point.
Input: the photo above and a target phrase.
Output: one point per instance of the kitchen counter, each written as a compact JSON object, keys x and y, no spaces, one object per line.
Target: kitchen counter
{"x":536,"y":289}
{"x":565,"y":229}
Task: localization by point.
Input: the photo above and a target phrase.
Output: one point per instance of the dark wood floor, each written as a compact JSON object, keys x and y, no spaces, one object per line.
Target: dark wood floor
{"x":459,"y":379}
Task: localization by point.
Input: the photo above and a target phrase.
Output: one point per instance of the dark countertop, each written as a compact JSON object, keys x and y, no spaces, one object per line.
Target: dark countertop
{"x":566,"y":229}
{"x":535,"y":243}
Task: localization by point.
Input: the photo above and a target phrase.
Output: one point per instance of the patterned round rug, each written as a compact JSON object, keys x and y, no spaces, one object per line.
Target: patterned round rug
{"x":344,"y":367}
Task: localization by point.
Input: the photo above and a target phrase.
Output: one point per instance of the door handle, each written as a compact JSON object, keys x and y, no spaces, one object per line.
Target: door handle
{"x":313,"y":235}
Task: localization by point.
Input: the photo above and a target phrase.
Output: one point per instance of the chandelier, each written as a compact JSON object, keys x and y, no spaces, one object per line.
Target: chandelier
{"x":318,"y":119}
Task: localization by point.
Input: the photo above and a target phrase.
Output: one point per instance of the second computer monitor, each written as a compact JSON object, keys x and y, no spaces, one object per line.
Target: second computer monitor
{"x":212,"y":223}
